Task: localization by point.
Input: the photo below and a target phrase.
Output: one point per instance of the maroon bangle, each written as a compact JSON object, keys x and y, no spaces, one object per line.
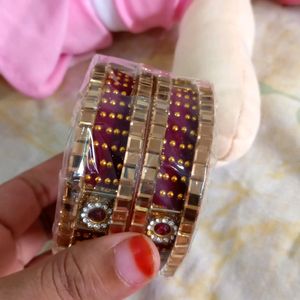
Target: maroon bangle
{"x":137,"y":159}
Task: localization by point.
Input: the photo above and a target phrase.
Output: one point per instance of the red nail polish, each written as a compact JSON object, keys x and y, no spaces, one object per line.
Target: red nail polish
{"x":142,"y":254}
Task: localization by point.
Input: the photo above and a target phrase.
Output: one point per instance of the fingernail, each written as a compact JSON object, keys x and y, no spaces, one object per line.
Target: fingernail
{"x":136,"y":260}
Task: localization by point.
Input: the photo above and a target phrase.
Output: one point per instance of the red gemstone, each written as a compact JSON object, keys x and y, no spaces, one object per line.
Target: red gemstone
{"x":162,"y":229}
{"x":97,"y":214}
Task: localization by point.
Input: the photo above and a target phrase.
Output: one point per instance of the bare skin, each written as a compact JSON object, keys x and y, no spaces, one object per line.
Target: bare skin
{"x":89,"y":270}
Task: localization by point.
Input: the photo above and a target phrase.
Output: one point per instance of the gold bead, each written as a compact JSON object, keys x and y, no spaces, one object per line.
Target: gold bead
{"x":104,"y":100}
{"x":126,"y":79}
{"x":187,"y":164}
{"x":163,"y":157}
{"x":116,"y":131}
{"x":109,"y":164}
{"x":184,"y":129}
{"x":91,"y":161}
{"x":119,"y":166}
{"x":166,"y":176}
{"x":175,"y":128}
{"x":187,"y":105}
{"x":112,"y":115}
{"x":194,"y":107}
{"x":108,"y":82}
{"x":120,"y":116}
{"x":162,"y":193}
{"x":172,"y":143}
{"x":116,"y":92}
{"x":124,"y":93}
{"x":104,"y":146}
{"x":159,"y":175}
{"x":194,"y":98}
{"x":117,"y":83}
{"x":112,"y":102}
{"x":194,"y":118}
{"x":171,"y":159}
{"x":96,"y":143}
{"x":122,"y":103}
{"x":177,"y":114}
{"x":187,"y":97}
{"x":183,"y":179}
{"x":178,"y":95}
{"x":98,"y":127}
{"x":103,"y":114}
{"x":108,"y":90}
{"x":187,"y":117}
{"x":177,"y":103}
{"x":190,"y":146}
{"x":109,"y":130}
{"x":88,"y":177}
{"x":122,"y":149}
{"x":114,"y":148}
{"x":180,"y":196}
{"x":174,"y":178}
{"x":180,"y":161}
{"x":193,"y":133}
{"x":128,"y":118}
{"x":107,"y":181}
{"x":170,"y":194}
{"x":103,"y":163}
{"x":182,"y":146}
{"x":98,"y":179}
{"x":125,"y":84}
{"x":116,"y":182}
{"x":125,"y":132}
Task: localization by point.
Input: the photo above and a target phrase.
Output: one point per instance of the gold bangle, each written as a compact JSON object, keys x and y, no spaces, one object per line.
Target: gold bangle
{"x":138,"y":158}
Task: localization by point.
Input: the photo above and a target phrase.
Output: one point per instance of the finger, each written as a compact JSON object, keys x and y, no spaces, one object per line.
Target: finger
{"x":39,"y":259}
{"x":8,"y":262}
{"x":25,"y":196}
{"x":31,"y":243}
{"x":17,"y":252}
{"x":112,"y":267}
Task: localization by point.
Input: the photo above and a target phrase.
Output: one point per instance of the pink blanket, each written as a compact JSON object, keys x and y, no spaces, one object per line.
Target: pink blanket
{"x":39,"y":39}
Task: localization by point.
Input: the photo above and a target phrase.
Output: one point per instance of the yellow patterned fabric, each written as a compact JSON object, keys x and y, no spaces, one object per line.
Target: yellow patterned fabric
{"x":247,"y":244}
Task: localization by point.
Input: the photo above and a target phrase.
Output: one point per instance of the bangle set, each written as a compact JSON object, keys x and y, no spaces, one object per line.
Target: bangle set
{"x":137,"y":158}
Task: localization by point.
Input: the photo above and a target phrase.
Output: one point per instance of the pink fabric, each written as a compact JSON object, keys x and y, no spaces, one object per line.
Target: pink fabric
{"x":39,"y":39}
{"x":142,"y":15}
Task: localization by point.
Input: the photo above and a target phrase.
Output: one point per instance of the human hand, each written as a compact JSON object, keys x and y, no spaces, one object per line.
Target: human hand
{"x":112,"y":267}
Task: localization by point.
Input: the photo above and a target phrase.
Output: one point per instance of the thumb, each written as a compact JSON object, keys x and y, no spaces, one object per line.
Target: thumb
{"x":112,"y":267}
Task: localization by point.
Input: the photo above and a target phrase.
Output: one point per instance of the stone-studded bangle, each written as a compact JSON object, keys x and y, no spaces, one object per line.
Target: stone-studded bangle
{"x":172,"y":180}
{"x":93,"y":161}
{"x":137,"y":159}
{"x":196,"y":170}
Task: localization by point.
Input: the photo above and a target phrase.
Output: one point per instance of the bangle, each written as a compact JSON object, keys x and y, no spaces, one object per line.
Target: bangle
{"x":137,"y":158}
